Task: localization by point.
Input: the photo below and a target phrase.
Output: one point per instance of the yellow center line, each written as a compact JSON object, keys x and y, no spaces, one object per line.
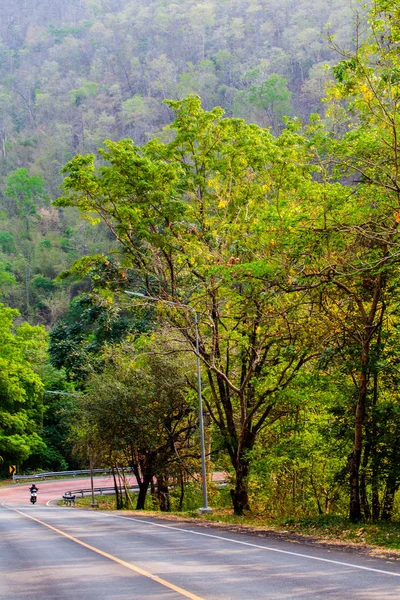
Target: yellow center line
{"x":130,"y":566}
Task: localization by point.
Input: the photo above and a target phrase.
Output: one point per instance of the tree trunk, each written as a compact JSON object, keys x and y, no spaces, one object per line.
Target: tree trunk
{"x":153,"y":493}
{"x":118,"y":493}
{"x":128,"y":498}
{"x":143,"y":470}
{"x":355,"y":457}
{"x":240,"y":495}
{"x":163,"y":494}
{"x":182,"y":487}
{"x":363,"y":485}
{"x":143,"y":487}
{"x":376,"y":508}
{"x":391,"y":488}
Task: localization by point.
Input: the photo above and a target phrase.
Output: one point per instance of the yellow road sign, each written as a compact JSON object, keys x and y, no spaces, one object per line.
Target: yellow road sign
{"x":12,"y":469}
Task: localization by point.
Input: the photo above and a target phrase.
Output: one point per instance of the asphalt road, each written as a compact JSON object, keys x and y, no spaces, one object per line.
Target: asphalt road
{"x":63,"y":553}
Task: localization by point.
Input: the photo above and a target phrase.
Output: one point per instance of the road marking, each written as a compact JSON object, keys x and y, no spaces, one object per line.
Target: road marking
{"x":226,"y":539}
{"x":130,"y":566}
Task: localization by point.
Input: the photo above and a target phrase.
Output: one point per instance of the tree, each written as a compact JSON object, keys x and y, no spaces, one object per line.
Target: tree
{"x":203,"y":220}
{"x":21,"y":390}
{"x":27,"y":192}
{"x":273,"y":97}
{"x":353,"y":234}
{"x":77,"y":340}
{"x":139,"y":408}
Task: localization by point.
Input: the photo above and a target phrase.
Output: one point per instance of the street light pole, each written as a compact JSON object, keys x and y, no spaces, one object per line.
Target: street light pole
{"x":205,"y":509}
{"x":93,"y":504}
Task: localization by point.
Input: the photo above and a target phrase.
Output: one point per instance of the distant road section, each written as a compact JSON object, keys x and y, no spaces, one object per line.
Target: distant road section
{"x":52,"y":490}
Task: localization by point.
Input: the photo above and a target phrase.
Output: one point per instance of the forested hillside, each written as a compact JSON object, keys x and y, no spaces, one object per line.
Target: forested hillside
{"x":76,"y":73}
{"x":181,"y":150}
{"x":73,"y":74}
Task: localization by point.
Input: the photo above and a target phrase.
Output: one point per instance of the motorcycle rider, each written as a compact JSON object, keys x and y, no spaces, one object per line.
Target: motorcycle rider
{"x":33,"y":490}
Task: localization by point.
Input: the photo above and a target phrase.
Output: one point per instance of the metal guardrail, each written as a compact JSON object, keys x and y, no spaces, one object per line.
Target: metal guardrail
{"x":65,"y":473}
{"x":132,"y":488}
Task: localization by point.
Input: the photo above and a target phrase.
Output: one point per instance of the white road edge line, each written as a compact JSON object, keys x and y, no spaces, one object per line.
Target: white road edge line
{"x":269,"y":549}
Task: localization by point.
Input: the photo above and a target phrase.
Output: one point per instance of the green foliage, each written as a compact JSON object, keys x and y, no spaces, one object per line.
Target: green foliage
{"x":7,"y":242}
{"x":88,"y":90}
{"x":60,"y":33}
{"x":21,"y":390}
{"x":138,"y":411}
{"x":79,"y":69}
{"x":286,"y":246}
{"x":191,"y":218}
{"x":42,"y":283}
{"x":76,"y":341}
{"x":27,"y":191}
{"x":7,"y":279}
{"x":273,"y":97}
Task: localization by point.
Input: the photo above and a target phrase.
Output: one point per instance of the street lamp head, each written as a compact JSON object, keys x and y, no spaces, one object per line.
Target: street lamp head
{"x":135,"y":294}
{"x":168,"y":302}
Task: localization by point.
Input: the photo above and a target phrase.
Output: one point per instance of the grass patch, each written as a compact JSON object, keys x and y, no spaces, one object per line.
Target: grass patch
{"x":326,"y":527}
{"x":104,"y":502}
{"x":382,"y":534}
{"x":4,"y":482}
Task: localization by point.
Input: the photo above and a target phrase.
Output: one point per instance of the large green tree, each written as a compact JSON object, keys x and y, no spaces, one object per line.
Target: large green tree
{"x":208,"y":220}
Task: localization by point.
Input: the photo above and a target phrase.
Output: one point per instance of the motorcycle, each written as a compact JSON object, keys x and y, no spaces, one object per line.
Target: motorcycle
{"x":33,"y":497}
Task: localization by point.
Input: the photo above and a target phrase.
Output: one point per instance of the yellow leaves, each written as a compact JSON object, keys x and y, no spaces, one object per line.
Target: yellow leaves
{"x":222,"y":203}
{"x":92,"y":220}
{"x":214,"y":183}
{"x":335,"y":93}
{"x":366,"y":92}
{"x":397,"y":215}
{"x":258,"y":330}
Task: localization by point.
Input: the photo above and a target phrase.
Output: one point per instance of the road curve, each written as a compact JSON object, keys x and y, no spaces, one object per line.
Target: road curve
{"x":52,"y":490}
